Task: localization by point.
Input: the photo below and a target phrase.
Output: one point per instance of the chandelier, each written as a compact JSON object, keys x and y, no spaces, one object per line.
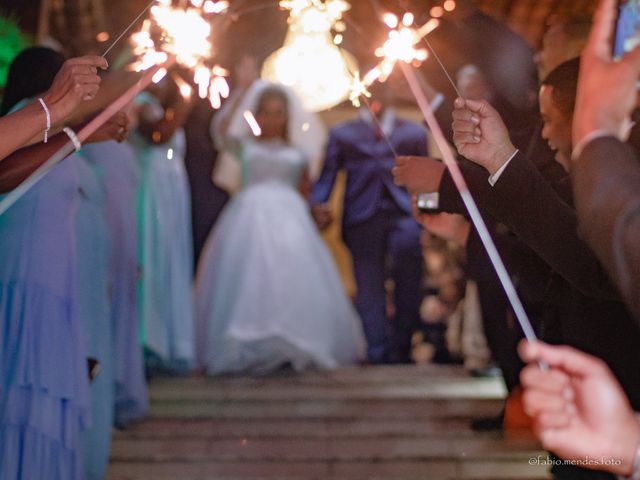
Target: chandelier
{"x":310,"y":61}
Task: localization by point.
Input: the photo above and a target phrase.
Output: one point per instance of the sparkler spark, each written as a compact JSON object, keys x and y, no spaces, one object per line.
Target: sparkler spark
{"x":358,"y":89}
{"x":183,"y":33}
{"x":400,"y":46}
{"x":253,"y":123}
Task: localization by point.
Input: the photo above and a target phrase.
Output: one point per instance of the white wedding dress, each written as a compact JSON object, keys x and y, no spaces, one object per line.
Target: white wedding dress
{"x":267,"y":291}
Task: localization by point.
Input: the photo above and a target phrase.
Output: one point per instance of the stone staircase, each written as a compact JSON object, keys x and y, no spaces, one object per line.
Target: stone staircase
{"x":352,"y":424}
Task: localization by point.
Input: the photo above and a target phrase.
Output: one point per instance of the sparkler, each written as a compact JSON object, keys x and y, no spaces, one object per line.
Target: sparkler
{"x":474,"y":213}
{"x":253,"y":123}
{"x":172,"y":35}
{"x":401,"y":47}
{"x":186,"y":34}
{"x":128,"y":27}
{"x":82,"y":135}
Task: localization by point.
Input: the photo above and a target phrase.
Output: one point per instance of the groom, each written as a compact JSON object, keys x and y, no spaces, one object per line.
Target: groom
{"x":377,"y":225}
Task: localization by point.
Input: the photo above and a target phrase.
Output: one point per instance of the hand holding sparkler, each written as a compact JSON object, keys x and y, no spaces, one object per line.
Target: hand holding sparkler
{"x":116,"y":128}
{"x":76,"y":81}
{"x":418,"y":174}
{"x":480,"y":135}
{"x":579,"y":409}
{"x":447,"y":226}
{"x":401,"y":49}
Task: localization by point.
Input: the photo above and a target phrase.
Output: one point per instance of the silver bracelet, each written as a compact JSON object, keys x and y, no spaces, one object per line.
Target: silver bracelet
{"x":73,"y":137}
{"x":48,"y":114}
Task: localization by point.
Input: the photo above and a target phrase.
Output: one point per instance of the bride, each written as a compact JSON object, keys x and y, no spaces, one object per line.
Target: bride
{"x":267,"y":292}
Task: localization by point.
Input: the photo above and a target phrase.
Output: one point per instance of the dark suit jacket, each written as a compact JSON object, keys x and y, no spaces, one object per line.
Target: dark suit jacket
{"x":368,"y":161}
{"x":583,"y":305}
{"x":526,"y":203}
{"x":607,"y":198}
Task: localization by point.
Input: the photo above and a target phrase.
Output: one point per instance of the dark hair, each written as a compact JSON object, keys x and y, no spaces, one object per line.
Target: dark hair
{"x":31,"y":72}
{"x":564,"y":81}
{"x":274,"y":92}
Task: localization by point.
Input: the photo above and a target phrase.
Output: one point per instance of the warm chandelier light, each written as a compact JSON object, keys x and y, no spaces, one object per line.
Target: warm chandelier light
{"x":310,"y":62}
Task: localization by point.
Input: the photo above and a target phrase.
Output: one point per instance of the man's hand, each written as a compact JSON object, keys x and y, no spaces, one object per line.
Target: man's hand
{"x":322,"y":215}
{"x":76,"y":81}
{"x":578,"y":407}
{"x":116,"y":128}
{"x":448,"y":226}
{"x":480,"y":135}
{"x":606,"y":87}
{"x":418,"y":174}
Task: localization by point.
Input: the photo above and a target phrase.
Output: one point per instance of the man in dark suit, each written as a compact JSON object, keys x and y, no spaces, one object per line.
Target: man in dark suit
{"x":607,"y":196}
{"x":606,"y":171}
{"x":377,"y":226}
{"x":509,"y":188}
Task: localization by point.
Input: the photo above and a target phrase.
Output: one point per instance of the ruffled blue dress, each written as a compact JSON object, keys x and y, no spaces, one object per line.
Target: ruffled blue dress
{"x":165,"y":299}
{"x":44,"y":387}
{"x":93,"y":249}
{"x":117,"y":170}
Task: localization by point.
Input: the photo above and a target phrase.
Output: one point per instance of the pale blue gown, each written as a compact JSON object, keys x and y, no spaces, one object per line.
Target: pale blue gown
{"x":93,"y":249}
{"x":268,"y":293}
{"x":44,"y":386}
{"x":117,"y":170}
{"x":165,"y":250}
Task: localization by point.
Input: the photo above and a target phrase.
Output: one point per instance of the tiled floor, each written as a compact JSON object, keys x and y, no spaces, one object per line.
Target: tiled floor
{"x":350,"y":424}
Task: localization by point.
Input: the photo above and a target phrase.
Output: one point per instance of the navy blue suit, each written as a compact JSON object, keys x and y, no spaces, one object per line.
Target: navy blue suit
{"x":378,"y":229}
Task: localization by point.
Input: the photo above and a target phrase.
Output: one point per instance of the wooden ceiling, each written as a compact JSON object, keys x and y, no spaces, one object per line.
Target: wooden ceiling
{"x":262,"y":26}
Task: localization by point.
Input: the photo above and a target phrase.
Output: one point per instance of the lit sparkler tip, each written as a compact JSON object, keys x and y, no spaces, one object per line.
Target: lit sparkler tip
{"x":252,"y":122}
{"x":428,"y":27}
{"x":359,"y":89}
{"x":373,"y":75}
{"x":159,"y":75}
{"x":400,"y":46}
{"x":436,"y":12}
{"x":185,"y":35}
{"x":390,"y":20}
{"x":185,"y":89}
{"x":215,"y":7}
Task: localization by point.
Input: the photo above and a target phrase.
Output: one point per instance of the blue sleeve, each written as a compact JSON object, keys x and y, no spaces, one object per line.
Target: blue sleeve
{"x":414,"y":141}
{"x":333,"y":162}
{"x":422,"y":147}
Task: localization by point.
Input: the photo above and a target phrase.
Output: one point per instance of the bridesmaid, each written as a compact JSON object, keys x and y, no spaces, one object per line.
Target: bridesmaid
{"x":44,"y":385}
{"x":43,"y":368}
{"x":165,"y":232}
{"x":116,"y":168}
{"x":93,"y":251}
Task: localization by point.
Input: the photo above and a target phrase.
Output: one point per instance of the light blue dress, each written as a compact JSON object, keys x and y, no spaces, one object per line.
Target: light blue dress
{"x":165,"y":250}
{"x":44,"y":386}
{"x":117,"y":170}
{"x":93,"y":250}
{"x":267,"y":291}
